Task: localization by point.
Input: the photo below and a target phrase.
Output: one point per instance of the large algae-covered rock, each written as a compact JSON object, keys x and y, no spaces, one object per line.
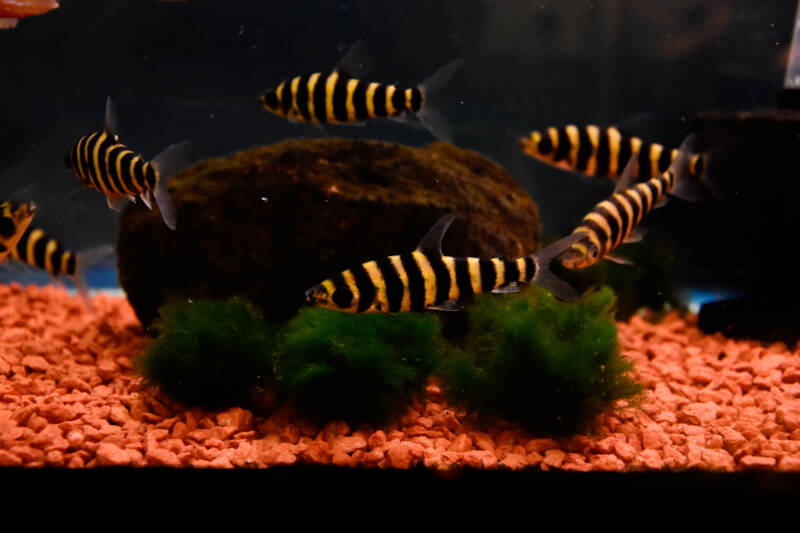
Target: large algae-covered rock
{"x":269,"y":222}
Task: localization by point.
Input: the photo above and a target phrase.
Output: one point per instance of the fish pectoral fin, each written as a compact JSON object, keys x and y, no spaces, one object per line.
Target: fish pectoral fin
{"x":432,"y":241}
{"x":117,"y":203}
{"x":449,"y":305}
{"x":636,"y":235}
{"x":618,"y":260}
{"x":511,"y":288}
{"x":147,"y":200}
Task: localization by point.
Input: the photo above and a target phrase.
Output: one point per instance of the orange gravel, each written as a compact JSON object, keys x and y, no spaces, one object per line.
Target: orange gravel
{"x":69,"y":398}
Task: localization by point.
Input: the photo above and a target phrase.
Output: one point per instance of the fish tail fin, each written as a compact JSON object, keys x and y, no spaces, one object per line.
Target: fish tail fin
{"x":168,"y":163}
{"x":544,"y":277}
{"x":84,"y":261}
{"x":688,"y":168}
{"x":430,"y":117}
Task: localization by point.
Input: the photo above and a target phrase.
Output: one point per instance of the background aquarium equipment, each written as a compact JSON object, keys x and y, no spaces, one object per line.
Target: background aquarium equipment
{"x":194,"y":70}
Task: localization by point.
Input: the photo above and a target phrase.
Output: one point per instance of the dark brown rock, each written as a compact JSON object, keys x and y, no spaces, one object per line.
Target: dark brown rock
{"x":269,"y":222}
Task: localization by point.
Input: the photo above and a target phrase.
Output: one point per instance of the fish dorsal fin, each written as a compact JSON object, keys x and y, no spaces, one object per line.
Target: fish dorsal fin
{"x":432,"y":241}
{"x":626,"y":178}
{"x":356,"y":62}
{"x":110,"y":122}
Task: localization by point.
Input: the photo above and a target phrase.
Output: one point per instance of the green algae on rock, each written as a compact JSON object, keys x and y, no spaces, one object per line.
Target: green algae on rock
{"x":269,"y":222}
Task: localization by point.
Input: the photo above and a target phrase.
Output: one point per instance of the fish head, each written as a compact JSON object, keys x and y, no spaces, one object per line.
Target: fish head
{"x":538,"y":146}
{"x":270,"y":101}
{"x":328,"y":296}
{"x":15,"y":217}
{"x":581,"y":254}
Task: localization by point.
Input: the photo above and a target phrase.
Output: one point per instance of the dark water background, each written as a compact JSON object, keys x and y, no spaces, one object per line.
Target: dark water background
{"x":193,"y":70}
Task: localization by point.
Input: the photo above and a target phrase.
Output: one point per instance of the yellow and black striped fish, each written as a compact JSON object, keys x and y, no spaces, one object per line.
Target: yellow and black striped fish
{"x":594,"y":151}
{"x":36,"y":249}
{"x":15,"y":217}
{"x":614,"y":220}
{"x":425,"y":278}
{"x":338,"y":98}
{"x":101,"y":162}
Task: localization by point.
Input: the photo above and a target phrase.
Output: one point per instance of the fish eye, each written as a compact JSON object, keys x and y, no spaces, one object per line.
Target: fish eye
{"x":270,"y":99}
{"x":594,"y":253}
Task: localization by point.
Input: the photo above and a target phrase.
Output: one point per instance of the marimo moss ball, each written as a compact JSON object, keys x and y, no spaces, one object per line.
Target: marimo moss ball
{"x":270,"y":222}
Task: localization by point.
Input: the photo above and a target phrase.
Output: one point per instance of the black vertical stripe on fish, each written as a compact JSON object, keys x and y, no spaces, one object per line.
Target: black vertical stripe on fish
{"x":584,"y":150}
{"x":71,"y":265}
{"x":623,"y":156}
{"x":150,"y":177}
{"x":488,"y":274}
{"x":416,"y":99}
{"x":564,"y":145}
{"x":627,"y":222}
{"x":603,"y":153}
{"x":366,"y":289}
{"x":302,"y":97}
{"x":319,"y":100}
{"x":39,"y":248}
{"x":463,"y":279}
{"x":416,"y":283}
{"x":394,"y":285}
{"x":664,"y":160}
{"x":511,"y":270}
{"x":530,"y":268}
{"x":340,"y":99}
{"x":342,"y":295}
{"x":442,"y":277}
{"x":138,"y":174}
{"x":645,"y":164}
{"x":379,"y":101}
{"x":22,"y":245}
{"x":360,"y":100}
{"x":545,"y":144}
{"x":285,"y":92}
{"x":398,"y":101}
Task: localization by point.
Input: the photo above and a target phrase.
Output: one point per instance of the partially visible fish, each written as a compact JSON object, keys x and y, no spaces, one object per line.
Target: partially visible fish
{"x":13,"y":10}
{"x":426,"y":279}
{"x":593,"y":151}
{"x":614,"y":220}
{"x":338,"y":98}
{"x":101,"y":162}
{"x":15,"y":217}
{"x":35,"y":248}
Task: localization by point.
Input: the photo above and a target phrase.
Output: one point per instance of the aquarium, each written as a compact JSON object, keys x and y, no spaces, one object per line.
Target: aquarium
{"x":447,"y":236}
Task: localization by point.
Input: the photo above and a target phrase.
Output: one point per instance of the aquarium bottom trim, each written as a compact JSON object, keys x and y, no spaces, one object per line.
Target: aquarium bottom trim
{"x":69,"y":397}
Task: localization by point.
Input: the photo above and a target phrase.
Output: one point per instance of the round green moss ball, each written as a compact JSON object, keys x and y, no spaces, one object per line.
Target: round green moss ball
{"x":359,"y":368}
{"x":210,"y":353}
{"x":548,"y":365}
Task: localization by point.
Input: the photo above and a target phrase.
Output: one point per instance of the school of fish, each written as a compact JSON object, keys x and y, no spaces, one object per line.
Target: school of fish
{"x":409,"y":281}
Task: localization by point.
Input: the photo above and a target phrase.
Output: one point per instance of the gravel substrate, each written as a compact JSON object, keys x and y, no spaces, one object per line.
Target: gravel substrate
{"x":69,"y":398}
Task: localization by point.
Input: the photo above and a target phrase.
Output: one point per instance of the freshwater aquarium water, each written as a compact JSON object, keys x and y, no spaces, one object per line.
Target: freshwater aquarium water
{"x":282,"y":154}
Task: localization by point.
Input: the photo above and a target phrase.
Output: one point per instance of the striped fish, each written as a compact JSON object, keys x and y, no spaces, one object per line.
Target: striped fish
{"x":614,"y":220}
{"x":593,"y":151}
{"x":15,"y":217}
{"x":338,"y":98}
{"x":101,"y":162}
{"x":36,"y":249}
{"x":426,"y":279}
